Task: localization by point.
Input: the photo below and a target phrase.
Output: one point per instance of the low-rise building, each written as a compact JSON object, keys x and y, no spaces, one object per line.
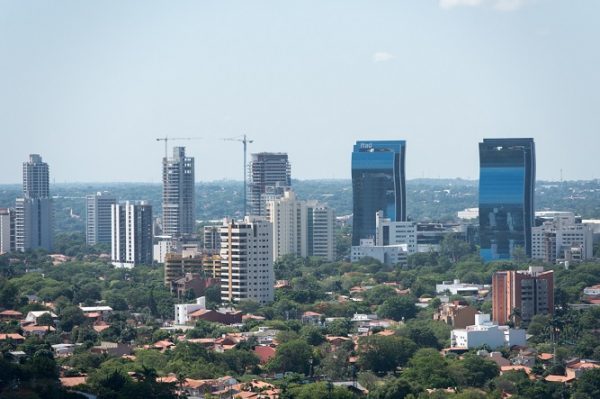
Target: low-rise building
{"x":455,"y":287}
{"x":183,"y":310}
{"x":96,"y":312}
{"x":456,"y":314}
{"x":486,"y":333}
{"x":387,"y":254}
{"x":33,"y":316}
{"x":223,"y":316}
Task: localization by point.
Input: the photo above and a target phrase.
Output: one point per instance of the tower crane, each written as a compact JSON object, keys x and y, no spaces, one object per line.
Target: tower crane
{"x":166,"y":140}
{"x":244,"y":140}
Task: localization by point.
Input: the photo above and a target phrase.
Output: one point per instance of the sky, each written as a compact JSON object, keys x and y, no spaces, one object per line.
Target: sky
{"x":91,"y":85}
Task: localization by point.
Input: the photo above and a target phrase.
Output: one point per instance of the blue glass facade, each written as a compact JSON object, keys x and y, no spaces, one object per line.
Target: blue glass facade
{"x":378,"y":183}
{"x":506,"y":192}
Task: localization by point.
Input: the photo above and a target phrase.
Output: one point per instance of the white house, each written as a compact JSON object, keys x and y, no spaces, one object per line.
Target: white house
{"x":33,"y":315}
{"x":182,"y":310}
{"x":485,"y":332}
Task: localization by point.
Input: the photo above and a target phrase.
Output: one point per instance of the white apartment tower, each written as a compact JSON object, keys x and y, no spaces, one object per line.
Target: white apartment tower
{"x":98,"y":218}
{"x":247,"y":261}
{"x":561,"y":236}
{"x":131,"y":234}
{"x":7,"y":230}
{"x":179,"y":198}
{"x":323,"y":232}
{"x":269,"y":173}
{"x":34,"y":214}
{"x":303,"y":228}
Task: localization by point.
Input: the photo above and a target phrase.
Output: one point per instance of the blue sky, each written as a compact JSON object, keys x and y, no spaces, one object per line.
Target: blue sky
{"x":90,"y":85}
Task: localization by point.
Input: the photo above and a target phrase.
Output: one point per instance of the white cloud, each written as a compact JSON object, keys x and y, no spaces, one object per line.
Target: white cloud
{"x":508,"y":5}
{"x":460,"y":3}
{"x":382,"y":56}
{"x":500,"y":5}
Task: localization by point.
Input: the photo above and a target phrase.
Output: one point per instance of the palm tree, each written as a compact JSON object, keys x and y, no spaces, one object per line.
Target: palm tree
{"x":515,"y":317}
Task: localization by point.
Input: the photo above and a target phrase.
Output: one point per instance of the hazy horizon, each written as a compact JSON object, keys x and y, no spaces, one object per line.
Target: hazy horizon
{"x":91,"y":85}
{"x":432,"y":179}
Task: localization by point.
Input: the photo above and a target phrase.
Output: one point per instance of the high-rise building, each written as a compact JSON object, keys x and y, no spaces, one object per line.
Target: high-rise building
{"x":378,"y":183}
{"x":561,"y":236}
{"x":98,"y":218}
{"x":506,"y":196}
{"x":179,"y":203}
{"x":322,"y":238}
{"x":247,"y":261}
{"x":7,"y":230}
{"x":131,"y":234}
{"x":36,"y":178}
{"x":211,"y":239}
{"x":518,"y":295}
{"x":34,"y":213}
{"x":303,"y":228}
{"x":33,"y":224}
{"x":269,"y":173}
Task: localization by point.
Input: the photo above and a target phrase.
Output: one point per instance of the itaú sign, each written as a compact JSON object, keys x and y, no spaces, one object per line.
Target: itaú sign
{"x":366,"y":146}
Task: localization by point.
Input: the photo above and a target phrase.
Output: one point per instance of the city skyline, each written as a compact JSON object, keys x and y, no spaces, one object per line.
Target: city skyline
{"x":437,"y":74}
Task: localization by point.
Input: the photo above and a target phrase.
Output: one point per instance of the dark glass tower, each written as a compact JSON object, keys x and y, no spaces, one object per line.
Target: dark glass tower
{"x":378,"y":183}
{"x":506,"y":191}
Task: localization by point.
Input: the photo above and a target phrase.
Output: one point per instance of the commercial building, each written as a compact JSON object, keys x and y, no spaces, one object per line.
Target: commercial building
{"x":7,"y":230}
{"x":34,"y":213}
{"x":390,"y":232}
{"x":98,"y":218}
{"x":131,"y":234}
{"x":518,"y":295}
{"x":378,"y":183}
{"x":179,"y":195}
{"x":561,"y":236}
{"x":486,"y":333}
{"x":269,"y":173}
{"x":390,"y":255}
{"x":303,"y":228}
{"x":506,"y":196}
{"x":247,"y":260}
{"x":455,"y":287}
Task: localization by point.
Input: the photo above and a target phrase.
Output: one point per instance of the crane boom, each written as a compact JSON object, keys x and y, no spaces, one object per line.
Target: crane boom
{"x":244,"y":140}
{"x":167,"y":138}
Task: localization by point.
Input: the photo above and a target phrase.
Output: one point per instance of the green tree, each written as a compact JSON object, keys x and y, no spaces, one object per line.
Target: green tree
{"x":382,"y":354}
{"x":398,"y":308}
{"x":334,"y":365}
{"x":292,"y":356}
{"x":320,"y":390}
{"x":429,"y":369}
{"x":588,"y":385}
{"x":394,"y":388}
{"x":474,"y":371}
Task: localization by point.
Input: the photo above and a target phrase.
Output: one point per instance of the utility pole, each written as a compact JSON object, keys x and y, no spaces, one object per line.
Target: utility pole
{"x":244,"y":140}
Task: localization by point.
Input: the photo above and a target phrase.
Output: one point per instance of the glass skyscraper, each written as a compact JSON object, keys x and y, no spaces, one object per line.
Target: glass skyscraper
{"x":506,"y":191}
{"x":378,"y":183}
